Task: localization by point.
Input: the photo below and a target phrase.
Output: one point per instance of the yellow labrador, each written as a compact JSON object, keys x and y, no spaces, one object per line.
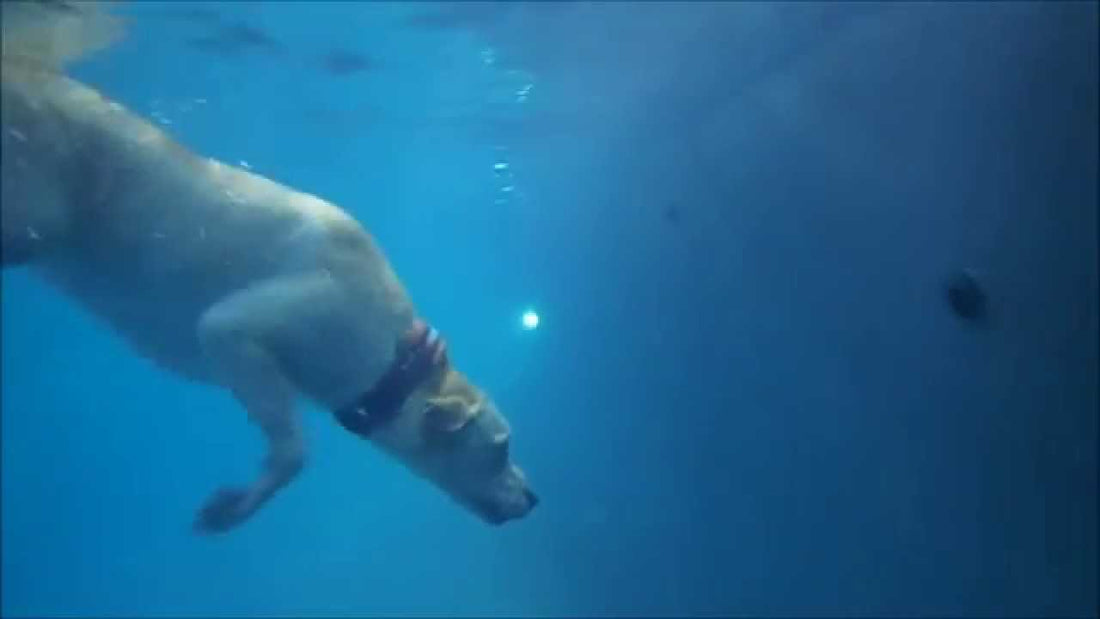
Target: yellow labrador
{"x":227,"y":277}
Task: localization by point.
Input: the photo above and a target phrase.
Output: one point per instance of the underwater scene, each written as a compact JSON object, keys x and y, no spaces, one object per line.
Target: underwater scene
{"x":549,"y":309}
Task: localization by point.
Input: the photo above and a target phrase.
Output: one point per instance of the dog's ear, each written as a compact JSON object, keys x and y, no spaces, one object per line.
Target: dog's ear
{"x":447,"y":414}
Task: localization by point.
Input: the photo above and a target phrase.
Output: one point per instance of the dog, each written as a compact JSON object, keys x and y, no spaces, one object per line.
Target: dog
{"x":226,"y":277}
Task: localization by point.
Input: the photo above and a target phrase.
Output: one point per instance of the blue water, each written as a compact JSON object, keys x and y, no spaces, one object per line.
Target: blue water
{"x":747,"y":393}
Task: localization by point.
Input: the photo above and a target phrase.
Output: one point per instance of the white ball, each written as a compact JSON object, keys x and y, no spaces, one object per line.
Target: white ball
{"x":530,"y":320}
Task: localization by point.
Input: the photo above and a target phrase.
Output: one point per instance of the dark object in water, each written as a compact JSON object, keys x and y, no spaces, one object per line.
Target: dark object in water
{"x":250,"y":36}
{"x":343,"y":63}
{"x":234,"y":40}
{"x":60,"y":5}
{"x":196,"y":15}
{"x":200,"y":15}
{"x":459,"y":15}
{"x":966,"y":297}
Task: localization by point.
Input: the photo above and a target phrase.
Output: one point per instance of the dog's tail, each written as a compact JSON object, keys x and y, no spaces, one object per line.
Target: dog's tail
{"x":53,"y":33}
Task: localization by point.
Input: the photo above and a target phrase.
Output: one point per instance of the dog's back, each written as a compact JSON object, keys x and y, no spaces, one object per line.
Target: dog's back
{"x":141,"y":231}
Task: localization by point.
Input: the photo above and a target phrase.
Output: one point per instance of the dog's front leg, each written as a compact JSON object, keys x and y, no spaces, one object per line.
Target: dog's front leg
{"x":237,"y":335}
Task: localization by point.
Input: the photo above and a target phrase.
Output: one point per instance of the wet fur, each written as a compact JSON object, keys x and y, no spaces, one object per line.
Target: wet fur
{"x":211,"y":271}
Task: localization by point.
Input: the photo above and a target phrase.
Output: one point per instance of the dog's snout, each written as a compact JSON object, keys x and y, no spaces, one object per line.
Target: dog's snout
{"x":502,"y":510}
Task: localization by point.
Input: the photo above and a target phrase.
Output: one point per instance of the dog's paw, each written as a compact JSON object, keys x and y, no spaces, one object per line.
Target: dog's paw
{"x":224,"y":510}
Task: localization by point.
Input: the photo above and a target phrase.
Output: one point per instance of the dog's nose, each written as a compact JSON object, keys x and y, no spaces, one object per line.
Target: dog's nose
{"x":532,"y":498}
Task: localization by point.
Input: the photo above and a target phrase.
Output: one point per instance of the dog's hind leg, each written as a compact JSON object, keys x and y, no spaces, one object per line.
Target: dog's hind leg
{"x":239,"y":337}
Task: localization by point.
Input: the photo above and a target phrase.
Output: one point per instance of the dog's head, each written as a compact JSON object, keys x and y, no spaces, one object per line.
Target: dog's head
{"x":463,"y":446}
